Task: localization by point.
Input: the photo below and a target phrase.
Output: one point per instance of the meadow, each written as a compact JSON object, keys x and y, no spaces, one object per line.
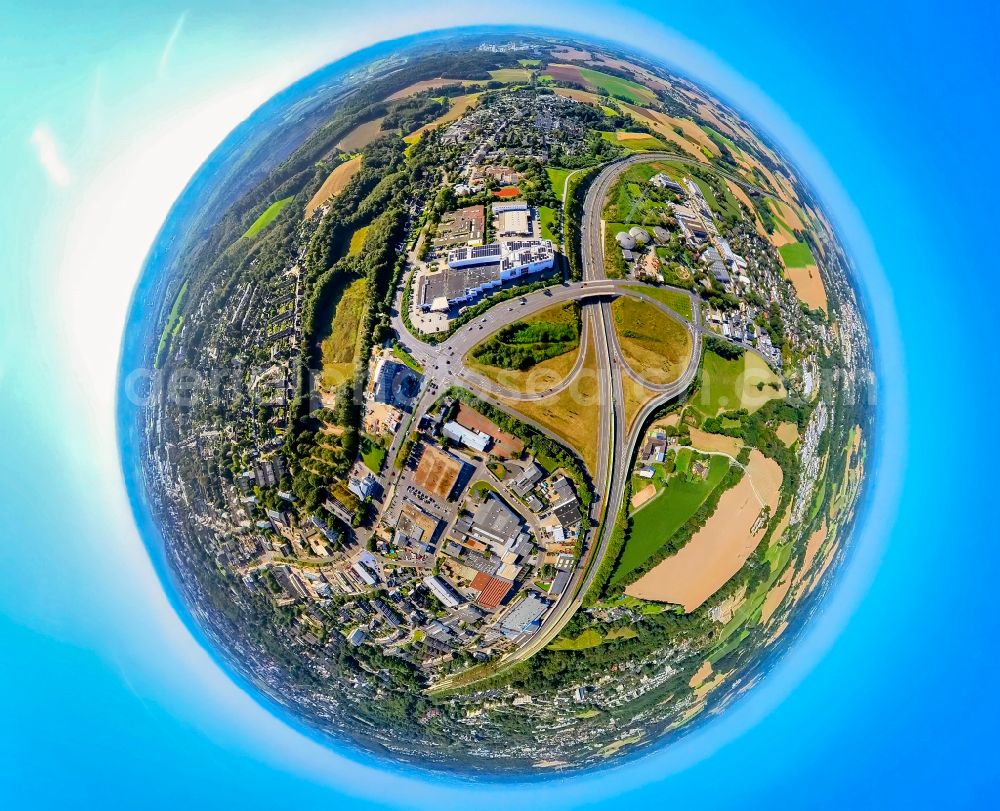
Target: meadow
{"x":658,"y":519}
{"x":266,"y":218}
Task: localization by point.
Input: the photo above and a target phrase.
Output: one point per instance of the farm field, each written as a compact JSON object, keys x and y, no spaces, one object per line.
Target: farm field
{"x":334,"y":183}
{"x":417,"y":87}
{"x":659,"y":518}
{"x":574,"y":413}
{"x":796,"y":255}
{"x":459,"y":106}
{"x":340,"y":347}
{"x":719,"y":549}
{"x":361,"y":135}
{"x":728,"y":385}
{"x":715,"y":443}
{"x":656,"y":347}
{"x":584,"y":96}
{"x":808,"y":286}
{"x":266,"y":218}
{"x":511,"y":75}
{"x":618,"y":87}
{"x":634,"y":141}
{"x":788,"y":433}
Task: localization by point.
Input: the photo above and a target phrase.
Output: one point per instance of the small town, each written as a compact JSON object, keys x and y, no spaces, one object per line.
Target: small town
{"x":470,"y":358}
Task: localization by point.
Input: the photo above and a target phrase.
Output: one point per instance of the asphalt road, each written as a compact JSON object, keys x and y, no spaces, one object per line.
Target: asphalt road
{"x":443,"y":365}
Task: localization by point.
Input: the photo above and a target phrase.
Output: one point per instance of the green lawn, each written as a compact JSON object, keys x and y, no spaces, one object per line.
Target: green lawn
{"x":558,"y":178}
{"x":658,"y":519}
{"x":547,"y":218}
{"x":678,"y":302}
{"x":267,"y":217}
{"x":372,"y":453}
{"x":173,"y":325}
{"x":797,"y":255}
{"x":618,"y":87}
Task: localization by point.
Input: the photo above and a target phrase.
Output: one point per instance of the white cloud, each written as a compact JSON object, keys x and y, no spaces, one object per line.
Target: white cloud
{"x":49,"y":156}
{"x":169,"y":47}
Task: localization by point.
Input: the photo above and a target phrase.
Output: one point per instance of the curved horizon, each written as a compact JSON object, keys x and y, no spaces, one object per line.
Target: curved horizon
{"x":255,"y":126}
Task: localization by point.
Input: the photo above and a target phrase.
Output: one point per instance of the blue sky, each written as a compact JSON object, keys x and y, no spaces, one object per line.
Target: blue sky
{"x":108,"y":110}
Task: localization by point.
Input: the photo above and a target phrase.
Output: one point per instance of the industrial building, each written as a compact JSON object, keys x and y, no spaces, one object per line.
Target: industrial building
{"x":524,"y":617}
{"x":474,"y":270}
{"x":443,"y":590}
{"x":477,"y":440}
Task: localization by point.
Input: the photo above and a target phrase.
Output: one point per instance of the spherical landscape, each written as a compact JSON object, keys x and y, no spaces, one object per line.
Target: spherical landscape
{"x":509,"y":401}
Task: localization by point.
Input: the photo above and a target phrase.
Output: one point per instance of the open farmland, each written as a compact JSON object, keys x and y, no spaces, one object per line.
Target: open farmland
{"x":719,"y":549}
{"x":419,"y":87}
{"x":510,"y":75}
{"x":616,"y":86}
{"x":266,"y":218}
{"x":634,"y":141}
{"x":334,"y":183}
{"x":459,"y":106}
{"x":656,"y":521}
{"x":362,"y":135}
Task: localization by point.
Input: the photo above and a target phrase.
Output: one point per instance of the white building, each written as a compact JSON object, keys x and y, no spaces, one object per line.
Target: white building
{"x":477,"y":440}
{"x":442,"y":590}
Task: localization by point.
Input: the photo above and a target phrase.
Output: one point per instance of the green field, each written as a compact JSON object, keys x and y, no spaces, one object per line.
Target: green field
{"x":558,"y":178}
{"x":510,"y":75}
{"x":372,"y":454}
{"x":680,"y":303}
{"x":529,"y":63}
{"x":727,"y":385}
{"x":591,"y":638}
{"x":645,"y":144}
{"x":618,"y":87}
{"x":267,"y":217}
{"x":171,"y":328}
{"x":340,"y":347}
{"x":797,"y":255}
{"x":547,"y":218}
{"x":658,"y":519}
{"x":358,"y":240}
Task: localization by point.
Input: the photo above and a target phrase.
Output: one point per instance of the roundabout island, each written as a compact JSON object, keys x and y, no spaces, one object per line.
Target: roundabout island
{"x":509,"y":404}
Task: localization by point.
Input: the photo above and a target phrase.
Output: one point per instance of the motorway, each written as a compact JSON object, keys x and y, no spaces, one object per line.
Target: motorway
{"x":443,"y":366}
